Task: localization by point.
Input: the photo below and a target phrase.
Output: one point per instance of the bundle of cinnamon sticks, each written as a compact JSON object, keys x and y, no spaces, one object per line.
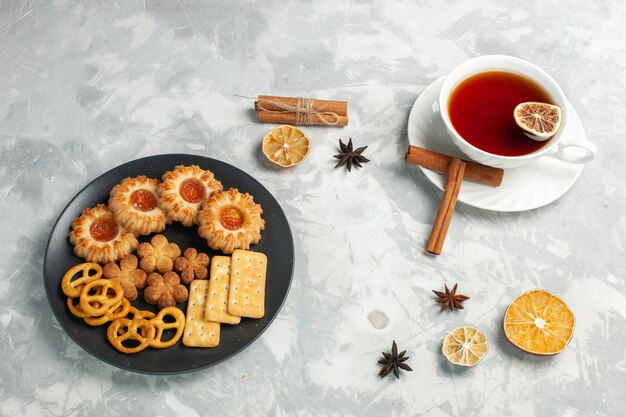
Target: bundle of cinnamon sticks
{"x":301,"y":111}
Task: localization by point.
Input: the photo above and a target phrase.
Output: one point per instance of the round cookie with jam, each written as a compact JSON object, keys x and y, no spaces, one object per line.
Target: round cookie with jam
{"x":135,"y":204}
{"x":231,"y":220}
{"x":98,"y":237}
{"x":184,"y":191}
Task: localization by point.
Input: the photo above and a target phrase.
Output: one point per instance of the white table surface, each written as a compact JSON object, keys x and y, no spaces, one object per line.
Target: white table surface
{"x":88,"y":85}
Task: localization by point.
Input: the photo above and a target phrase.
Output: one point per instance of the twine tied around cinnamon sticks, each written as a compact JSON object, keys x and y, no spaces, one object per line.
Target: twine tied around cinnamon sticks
{"x":457,"y":170}
{"x":301,"y":111}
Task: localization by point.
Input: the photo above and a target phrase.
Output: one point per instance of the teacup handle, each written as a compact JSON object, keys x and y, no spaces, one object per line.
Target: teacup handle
{"x":574,"y":153}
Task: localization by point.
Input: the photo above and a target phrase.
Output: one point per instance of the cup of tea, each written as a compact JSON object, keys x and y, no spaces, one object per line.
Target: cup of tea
{"x":476,"y":102}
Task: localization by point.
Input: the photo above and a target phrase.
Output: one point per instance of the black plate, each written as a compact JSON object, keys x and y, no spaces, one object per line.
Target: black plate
{"x":276,"y":242}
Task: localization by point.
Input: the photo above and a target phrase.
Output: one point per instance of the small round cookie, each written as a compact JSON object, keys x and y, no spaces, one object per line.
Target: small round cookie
{"x":158,"y":255}
{"x":165,"y":290}
{"x":192,"y":265}
{"x":183,"y":192}
{"x":127,"y":275}
{"x":231,"y":220}
{"x":134,"y":203}
{"x":98,"y":238}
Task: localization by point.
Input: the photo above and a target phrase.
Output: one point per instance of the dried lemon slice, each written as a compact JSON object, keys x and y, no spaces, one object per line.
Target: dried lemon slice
{"x":465,"y":346}
{"x":541,"y":120}
{"x":286,"y":146}
{"x":539,"y":322}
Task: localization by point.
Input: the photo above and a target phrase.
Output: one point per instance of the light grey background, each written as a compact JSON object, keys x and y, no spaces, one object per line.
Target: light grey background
{"x":88,"y":85}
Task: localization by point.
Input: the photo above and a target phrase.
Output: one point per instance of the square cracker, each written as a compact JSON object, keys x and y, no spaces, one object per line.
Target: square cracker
{"x":199,"y":332}
{"x":246,"y":296}
{"x":217,"y":302}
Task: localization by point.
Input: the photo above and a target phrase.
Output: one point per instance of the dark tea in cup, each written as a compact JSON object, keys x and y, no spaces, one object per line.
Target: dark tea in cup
{"x":481,"y":111}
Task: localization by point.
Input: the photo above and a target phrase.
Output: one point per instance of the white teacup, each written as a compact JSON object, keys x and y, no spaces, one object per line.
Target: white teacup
{"x":579,"y":151}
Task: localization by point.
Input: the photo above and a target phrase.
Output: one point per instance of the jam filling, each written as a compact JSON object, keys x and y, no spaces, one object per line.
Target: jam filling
{"x":231,"y":218}
{"x":104,"y":229}
{"x":143,"y":200}
{"x":192,"y":190}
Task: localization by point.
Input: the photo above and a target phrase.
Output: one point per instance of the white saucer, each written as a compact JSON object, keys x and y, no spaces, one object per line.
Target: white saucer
{"x":525,"y":188}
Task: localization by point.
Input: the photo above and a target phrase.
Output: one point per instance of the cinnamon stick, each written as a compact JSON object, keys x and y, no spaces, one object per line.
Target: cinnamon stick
{"x":439,"y":162}
{"x":292,"y":118}
{"x":456,"y":171}
{"x":276,"y":103}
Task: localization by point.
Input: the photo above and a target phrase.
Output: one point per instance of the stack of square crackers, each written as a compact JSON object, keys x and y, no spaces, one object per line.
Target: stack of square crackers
{"x":235,"y":289}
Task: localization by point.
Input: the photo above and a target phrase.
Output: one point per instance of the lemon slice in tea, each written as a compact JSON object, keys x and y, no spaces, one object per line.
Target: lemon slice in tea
{"x":465,"y":346}
{"x":541,"y":120}
{"x":286,"y":146}
{"x":539,"y":322}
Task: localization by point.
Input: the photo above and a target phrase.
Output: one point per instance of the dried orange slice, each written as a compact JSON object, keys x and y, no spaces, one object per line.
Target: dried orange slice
{"x":465,"y":346}
{"x":286,"y":146}
{"x":539,"y":322}
{"x":541,"y":120}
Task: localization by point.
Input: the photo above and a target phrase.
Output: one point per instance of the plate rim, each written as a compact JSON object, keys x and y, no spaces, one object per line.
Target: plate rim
{"x":436,"y":178}
{"x":192,"y":369}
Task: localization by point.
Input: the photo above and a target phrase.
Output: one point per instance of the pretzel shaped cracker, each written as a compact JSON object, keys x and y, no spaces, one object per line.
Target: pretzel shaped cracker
{"x":73,"y":304}
{"x":116,"y":311}
{"x":135,"y":313}
{"x":73,"y":288}
{"x":141,"y":314}
{"x":97,"y":304}
{"x":138,"y":332}
{"x":160,"y":325}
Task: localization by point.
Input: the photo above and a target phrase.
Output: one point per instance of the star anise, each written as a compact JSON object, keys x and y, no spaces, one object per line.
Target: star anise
{"x":350,"y":156}
{"x":393,"y":361}
{"x":450,"y":299}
